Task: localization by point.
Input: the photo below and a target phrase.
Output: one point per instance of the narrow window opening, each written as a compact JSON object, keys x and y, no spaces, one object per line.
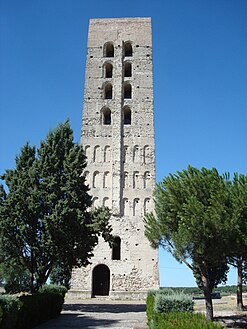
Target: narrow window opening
{"x":108,"y":50}
{"x":127,"y":70}
{"x":127,"y":116}
{"x":108,"y":91}
{"x":116,"y":248}
{"x":106,"y":116}
{"x":128,"y":49}
{"x":127,"y":91}
{"x":108,"y":70}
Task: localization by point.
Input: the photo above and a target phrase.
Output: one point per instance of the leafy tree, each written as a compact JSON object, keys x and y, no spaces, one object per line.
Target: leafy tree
{"x":190,"y":221}
{"x":238,"y":251}
{"x":14,"y":278}
{"x":45,"y":216}
{"x":61,"y":274}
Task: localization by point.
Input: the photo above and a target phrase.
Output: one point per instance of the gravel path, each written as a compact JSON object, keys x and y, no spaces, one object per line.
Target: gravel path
{"x":97,"y":314}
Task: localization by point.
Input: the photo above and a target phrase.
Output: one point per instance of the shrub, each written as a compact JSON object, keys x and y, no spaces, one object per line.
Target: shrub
{"x":173,"y":302}
{"x":150,"y":305}
{"x":181,"y":320}
{"x":27,"y":311}
{"x":10,"y":306}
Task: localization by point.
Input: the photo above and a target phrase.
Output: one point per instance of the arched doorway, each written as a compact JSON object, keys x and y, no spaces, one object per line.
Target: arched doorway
{"x":101,"y":280}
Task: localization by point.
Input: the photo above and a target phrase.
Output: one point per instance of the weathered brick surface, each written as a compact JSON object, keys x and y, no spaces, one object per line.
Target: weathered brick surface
{"x":121,"y":157}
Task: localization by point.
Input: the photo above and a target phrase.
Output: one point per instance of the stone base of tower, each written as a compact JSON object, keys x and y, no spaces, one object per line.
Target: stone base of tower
{"x":113,"y":295}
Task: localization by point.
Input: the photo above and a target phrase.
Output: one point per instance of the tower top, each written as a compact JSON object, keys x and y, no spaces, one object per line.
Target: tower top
{"x":137,"y":29}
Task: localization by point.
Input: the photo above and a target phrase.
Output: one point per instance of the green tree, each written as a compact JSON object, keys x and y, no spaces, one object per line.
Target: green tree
{"x":190,"y":221}
{"x":238,"y":251}
{"x":45,"y":216}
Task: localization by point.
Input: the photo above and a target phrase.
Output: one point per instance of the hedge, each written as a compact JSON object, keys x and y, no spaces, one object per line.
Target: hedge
{"x":182,"y":320}
{"x":167,"y":309}
{"x":27,"y":311}
{"x":175,"y":302}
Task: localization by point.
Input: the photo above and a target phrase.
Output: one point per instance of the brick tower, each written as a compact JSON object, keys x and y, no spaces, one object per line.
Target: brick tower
{"x":118,"y":138}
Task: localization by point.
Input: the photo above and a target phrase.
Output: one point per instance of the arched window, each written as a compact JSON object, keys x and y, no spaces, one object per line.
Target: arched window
{"x":147,"y":179}
{"x":96,"y":179}
{"x":107,"y":154}
{"x":108,"y":91}
{"x":125,"y":180}
{"x":146,"y":205}
{"x":126,"y":208}
{"x":106,"y":202}
{"x":108,"y":69}
{"x":106,"y":179}
{"x":127,"y":69}
{"x":127,"y":115}
{"x":136,"y":179}
{"x":136,"y":155}
{"x":96,"y":154}
{"x":86,"y":176}
{"x":116,"y":248}
{"x":127,"y":91}
{"x":95,"y":202}
{"x":128,"y":49}
{"x":108,"y":50}
{"x":106,"y":116}
{"x":146,"y":154}
{"x":87,"y":152}
{"x":136,"y":207}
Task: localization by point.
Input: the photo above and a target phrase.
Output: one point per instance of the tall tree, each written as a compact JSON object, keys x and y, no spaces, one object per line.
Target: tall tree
{"x":190,"y":221}
{"x":45,"y":216}
{"x":238,"y":229}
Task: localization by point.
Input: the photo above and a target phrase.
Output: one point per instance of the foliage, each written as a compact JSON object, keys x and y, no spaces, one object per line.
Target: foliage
{"x":45,"y":217}
{"x":61,"y":274}
{"x":238,"y":254}
{"x":191,"y":217}
{"x":15,"y":277}
{"x":150,"y":306}
{"x":182,"y":320}
{"x":27,"y":311}
{"x":216,"y":275}
{"x":173,"y":302}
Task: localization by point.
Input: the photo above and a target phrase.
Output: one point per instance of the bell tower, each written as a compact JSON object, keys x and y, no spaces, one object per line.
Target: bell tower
{"x":118,"y":138}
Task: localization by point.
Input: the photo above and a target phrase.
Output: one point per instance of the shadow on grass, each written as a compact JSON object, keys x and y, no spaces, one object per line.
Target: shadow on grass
{"x":233,"y":321}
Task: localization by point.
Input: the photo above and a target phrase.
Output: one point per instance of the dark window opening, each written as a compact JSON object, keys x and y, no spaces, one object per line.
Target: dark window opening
{"x":127,"y":91}
{"x":109,"y":50}
{"x":106,"y":116}
{"x":127,"y":116}
{"x":116,"y":248}
{"x":128,"y":49}
{"x":127,"y":70}
{"x":108,"y":91}
{"x":108,"y":70}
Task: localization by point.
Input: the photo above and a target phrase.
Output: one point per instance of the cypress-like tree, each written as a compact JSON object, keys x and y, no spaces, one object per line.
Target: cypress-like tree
{"x":45,"y":216}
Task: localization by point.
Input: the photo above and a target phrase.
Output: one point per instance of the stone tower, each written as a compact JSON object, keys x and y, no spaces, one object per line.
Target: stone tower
{"x":118,"y":138}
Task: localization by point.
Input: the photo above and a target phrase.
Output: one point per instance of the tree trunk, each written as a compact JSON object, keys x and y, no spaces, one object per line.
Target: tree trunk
{"x":207,"y":294}
{"x":240,"y":305}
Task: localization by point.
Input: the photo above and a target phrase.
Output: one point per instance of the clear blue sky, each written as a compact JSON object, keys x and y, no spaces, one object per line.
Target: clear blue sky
{"x":200,"y":81}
